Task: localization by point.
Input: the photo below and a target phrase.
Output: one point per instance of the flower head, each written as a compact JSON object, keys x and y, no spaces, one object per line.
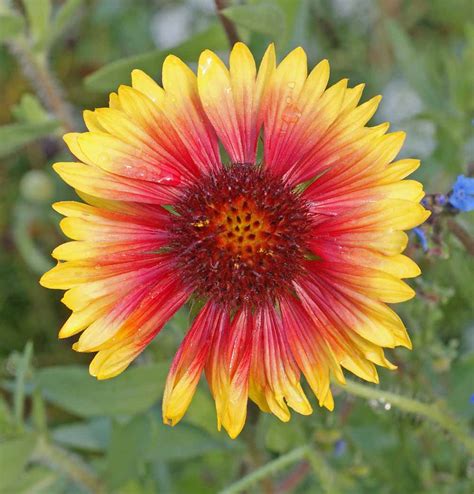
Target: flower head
{"x":293,"y":255}
{"x":462,"y":195}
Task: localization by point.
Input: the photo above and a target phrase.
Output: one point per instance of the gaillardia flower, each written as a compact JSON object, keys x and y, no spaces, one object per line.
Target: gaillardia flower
{"x":293,"y":255}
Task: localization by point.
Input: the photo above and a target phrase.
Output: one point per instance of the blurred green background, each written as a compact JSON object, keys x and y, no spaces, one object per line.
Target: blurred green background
{"x":63,"y":432}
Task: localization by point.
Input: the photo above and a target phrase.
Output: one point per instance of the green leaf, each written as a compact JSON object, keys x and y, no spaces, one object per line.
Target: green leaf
{"x":39,"y":14}
{"x":280,"y":436}
{"x":184,"y":442}
{"x":74,"y":390}
{"x":113,"y":74}
{"x":93,"y":435}
{"x":14,"y":455}
{"x":38,"y":412}
{"x":265,"y":18}
{"x":11,"y":25}
{"x":65,"y":16}
{"x":412,"y":64}
{"x":128,"y":447}
{"x":297,"y":20}
{"x":202,"y":411}
{"x":14,"y":136}
{"x":36,"y":480}
{"x":6,"y":418}
{"x":30,"y":110}
{"x":461,"y":390}
{"x":20,"y":378}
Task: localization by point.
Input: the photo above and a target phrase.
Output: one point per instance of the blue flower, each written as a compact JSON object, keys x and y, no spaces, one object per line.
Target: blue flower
{"x":340,"y":447}
{"x":422,"y":238}
{"x":462,"y":196}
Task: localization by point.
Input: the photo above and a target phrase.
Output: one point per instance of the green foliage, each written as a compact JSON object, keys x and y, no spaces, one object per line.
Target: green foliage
{"x":11,"y":25}
{"x":265,"y":18}
{"x":16,"y":135}
{"x":412,"y":65}
{"x":71,"y":388}
{"x":66,"y":14}
{"x":14,"y":455}
{"x":93,"y":435}
{"x":62,"y":431}
{"x":112,"y":75}
{"x":38,"y":14}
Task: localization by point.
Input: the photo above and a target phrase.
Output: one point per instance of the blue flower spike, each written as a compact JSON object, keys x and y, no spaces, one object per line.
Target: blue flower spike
{"x":421,"y":235}
{"x":462,"y":196}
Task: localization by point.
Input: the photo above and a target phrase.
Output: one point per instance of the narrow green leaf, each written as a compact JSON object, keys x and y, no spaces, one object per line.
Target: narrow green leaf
{"x":14,"y":136}
{"x":113,"y":74}
{"x":19,"y":395}
{"x":6,"y":418}
{"x":14,"y":455}
{"x":11,"y":25}
{"x":93,"y":435}
{"x":38,"y":412}
{"x":65,"y":16}
{"x":262,"y":18}
{"x":74,"y":390}
{"x":39,"y":14}
{"x":298,"y":25}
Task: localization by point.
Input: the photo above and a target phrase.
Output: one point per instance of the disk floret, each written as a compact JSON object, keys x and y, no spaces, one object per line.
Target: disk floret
{"x":240,"y":235}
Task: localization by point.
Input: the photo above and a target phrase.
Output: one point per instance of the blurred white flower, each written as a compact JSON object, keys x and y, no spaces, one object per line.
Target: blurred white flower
{"x":207,"y":6}
{"x":400,"y":102}
{"x":361,"y":13}
{"x":171,"y":25}
{"x":421,"y":138}
{"x":400,"y":106}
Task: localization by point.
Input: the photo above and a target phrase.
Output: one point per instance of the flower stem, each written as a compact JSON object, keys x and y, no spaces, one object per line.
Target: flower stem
{"x":35,"y":67}
{"x":265,"y":471}
{"x":68,"y":464}
{"x":256,"y":456}
{"x":429,"y":411}
{"x":227,"y":24}
{"x":315,"y":459}
{"x":462,"y":235}
{"x":323,"y":471}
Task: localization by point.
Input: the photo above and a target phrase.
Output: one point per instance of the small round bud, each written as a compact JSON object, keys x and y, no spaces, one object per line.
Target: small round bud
{"x":36,"y":186}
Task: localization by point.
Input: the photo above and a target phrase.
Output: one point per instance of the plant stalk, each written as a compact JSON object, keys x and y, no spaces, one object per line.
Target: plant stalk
{"x":253,"y":478}
{"x":68,"y":464}
{"x":227,"y":24}
{"x":430,"y":411}
{"x":36,"y":69}
{"x":320,"y":468}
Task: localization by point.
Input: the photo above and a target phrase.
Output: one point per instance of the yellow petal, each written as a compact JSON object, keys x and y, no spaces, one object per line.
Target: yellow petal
{"x":146,"y":85}
{"x":399,"y":170}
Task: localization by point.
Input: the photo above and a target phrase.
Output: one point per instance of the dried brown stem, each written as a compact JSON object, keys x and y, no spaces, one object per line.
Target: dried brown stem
{"x":462,"y":235}
{"x":227,"y":24}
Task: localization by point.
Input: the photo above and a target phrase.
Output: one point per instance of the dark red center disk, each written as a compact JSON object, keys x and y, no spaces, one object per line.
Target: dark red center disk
{"x":240,"y":236}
